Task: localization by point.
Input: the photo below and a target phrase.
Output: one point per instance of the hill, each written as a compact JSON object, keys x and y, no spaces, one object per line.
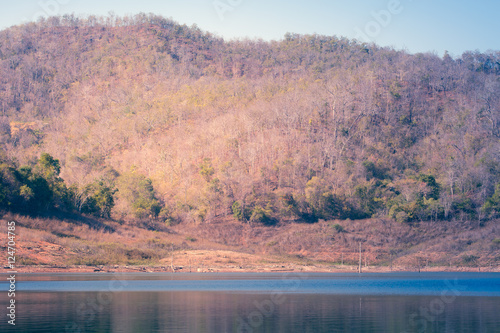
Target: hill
{"x":139,"y":118}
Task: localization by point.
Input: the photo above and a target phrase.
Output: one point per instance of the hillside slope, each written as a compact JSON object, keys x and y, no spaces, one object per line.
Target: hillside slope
{"x":148,"y":119}
{"x":75,"y":245}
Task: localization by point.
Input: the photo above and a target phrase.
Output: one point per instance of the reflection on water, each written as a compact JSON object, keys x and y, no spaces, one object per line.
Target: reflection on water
{"x":218,"y":311}
{"x":222,"y":312}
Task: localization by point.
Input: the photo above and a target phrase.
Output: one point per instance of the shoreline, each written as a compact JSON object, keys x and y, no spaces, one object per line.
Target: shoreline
{"x":253,"y":269}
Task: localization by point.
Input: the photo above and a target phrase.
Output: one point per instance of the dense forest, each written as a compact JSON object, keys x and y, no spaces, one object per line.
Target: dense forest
{"x":135,"y":118}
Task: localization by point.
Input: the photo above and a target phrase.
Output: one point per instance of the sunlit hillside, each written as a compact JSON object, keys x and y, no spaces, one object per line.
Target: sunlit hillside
{"x":142,"y":118}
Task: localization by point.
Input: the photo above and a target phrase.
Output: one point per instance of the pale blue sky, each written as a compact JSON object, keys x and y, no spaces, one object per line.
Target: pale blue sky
{"x":415,"y":25}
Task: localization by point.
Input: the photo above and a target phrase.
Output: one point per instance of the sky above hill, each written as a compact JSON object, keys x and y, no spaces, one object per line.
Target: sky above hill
{"x":414,"y":25}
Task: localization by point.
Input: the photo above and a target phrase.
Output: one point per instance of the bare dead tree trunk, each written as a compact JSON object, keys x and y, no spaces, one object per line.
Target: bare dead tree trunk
{"x":172,"y":259}
{"x":359,"y":268}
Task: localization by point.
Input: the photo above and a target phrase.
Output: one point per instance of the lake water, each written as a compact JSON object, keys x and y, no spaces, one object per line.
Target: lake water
{"x":278,"y":302}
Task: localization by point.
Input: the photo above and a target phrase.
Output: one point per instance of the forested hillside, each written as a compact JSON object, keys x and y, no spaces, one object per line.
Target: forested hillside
{"x":139,"y":117}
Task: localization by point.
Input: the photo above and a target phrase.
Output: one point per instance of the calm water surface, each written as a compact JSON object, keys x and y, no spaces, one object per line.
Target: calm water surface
{"x":396,"y":302}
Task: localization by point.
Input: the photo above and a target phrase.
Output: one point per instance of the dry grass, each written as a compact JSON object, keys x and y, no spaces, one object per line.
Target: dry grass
{"x":226,"y":245}
{"x":434,"y":243}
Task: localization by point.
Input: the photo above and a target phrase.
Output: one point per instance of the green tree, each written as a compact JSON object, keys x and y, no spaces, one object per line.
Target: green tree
{"x":324,"y":203}
{"x":138,"y":192}
{"x":37,"y":194}
{"x":240,"y":212}
{"x":10,"y":187}
{"x":433,"y":187}
{"x":370,"y":197}
{"x":262,"y":215}
{"x":492,"y":205}
{"x":48,"y":167}
{"x":98,"y":200}
{"x":207,"y":170}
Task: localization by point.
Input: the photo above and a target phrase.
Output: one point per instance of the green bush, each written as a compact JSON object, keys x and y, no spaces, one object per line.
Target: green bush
{"x":323,"y":203}
{"x":240,"y":213}
{"x":338,"y":228}
{"x":262,"y":215}
{"x":288,"y":206}
{"x":402,"y":217}
{"x":237,"y":211}
{"x":470,"y":259}
{"x":464,"y":205}
{"x":190,"y":239}
{"x":492,"y":205}
{"x":375,"y":171}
